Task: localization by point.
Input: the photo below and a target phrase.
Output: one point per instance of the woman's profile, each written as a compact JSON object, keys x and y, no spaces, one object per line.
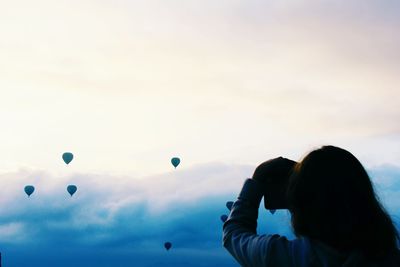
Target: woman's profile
{"x":335,"y":214}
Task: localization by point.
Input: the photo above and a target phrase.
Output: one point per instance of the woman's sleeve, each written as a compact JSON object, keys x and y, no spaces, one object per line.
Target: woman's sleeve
{"x":240,"y":232}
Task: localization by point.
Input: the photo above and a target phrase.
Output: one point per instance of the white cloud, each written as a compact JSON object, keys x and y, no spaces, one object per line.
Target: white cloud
{"x":12,"y":232}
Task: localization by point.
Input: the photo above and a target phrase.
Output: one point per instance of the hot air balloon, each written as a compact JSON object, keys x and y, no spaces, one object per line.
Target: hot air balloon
{"x":224,"y":218}
{"x":229,"y":205}
{"x":167,"y":245}
{"x":71,"y":189}
{"x":29,"y":189}
{"x":67,"y":157}
{"x":175,"y":162}
{"x":272,"y":211}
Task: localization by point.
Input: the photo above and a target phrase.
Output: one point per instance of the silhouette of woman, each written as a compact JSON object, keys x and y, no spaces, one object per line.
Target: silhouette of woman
{"x":335,"y":215}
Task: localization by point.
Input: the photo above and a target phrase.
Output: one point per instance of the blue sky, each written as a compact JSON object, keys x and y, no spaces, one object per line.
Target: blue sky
{"x":225,"y":85}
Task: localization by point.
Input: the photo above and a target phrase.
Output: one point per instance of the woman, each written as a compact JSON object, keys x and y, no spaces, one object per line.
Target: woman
{"x":335,"y":215}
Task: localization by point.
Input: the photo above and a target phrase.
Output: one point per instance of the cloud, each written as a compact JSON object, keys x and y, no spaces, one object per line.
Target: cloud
{"x":117,"y":219}
{"x":121,"y":220}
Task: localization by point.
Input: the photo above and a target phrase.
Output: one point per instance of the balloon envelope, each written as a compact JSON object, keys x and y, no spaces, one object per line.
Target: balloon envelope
{"x":29,"y":189}
{"x":167,"y":245}
{"x":272,"y":211}
{"x":224,"y":218}
{"x":67,"y":157}
{"x":175,"y":161}
{"x":71,"y":189}
{"x":229,"y":205}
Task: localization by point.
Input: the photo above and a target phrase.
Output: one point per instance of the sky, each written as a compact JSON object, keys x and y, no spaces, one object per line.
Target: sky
{"x":224,"y":85}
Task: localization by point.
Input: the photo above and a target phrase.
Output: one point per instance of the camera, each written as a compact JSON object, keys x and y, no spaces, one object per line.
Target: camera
{"x":276,"y":186}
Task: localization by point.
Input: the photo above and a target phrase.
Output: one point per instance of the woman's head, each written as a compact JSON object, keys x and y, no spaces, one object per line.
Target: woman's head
{"x":331,"y":199}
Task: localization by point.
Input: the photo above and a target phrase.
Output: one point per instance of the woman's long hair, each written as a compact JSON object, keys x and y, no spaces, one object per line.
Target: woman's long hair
{"x":331,"y":199}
